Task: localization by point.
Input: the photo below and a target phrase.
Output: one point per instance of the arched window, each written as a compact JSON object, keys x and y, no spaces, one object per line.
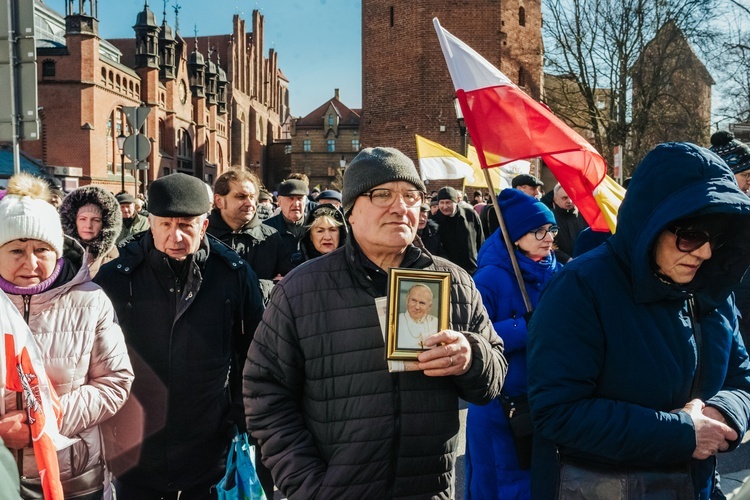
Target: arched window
{"x":163,"y":148}
{"x":184,"y":152}
{"x":116,"y":124}
{"x":330,"y":120}
{"x":521,"y":16}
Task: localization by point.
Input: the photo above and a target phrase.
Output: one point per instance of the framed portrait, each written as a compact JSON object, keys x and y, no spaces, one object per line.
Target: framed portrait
{"x":418,"y":306}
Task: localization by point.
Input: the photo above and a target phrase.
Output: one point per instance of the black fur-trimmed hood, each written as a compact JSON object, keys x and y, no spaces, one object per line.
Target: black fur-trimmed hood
{"x":111,"y":217}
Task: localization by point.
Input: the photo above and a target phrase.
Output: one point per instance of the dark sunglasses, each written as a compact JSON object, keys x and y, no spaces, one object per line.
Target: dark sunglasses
{"x":690,"y":240}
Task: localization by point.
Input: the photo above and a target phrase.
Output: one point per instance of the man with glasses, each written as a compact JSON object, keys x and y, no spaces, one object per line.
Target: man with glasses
{"x":460,"y":230}
{"x":636,"y":365}
{"x":332,"y":421}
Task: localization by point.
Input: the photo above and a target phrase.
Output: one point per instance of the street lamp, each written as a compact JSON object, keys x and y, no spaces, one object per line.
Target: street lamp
{"x":342,"y":166}
{"x":121,"y":146}
{"x":461,"y":124}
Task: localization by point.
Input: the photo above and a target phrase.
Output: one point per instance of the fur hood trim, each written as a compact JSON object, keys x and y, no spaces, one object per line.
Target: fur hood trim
{"x":111,"y":217}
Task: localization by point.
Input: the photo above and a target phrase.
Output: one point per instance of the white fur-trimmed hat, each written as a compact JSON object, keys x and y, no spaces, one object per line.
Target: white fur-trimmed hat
{"x":25,"y":213}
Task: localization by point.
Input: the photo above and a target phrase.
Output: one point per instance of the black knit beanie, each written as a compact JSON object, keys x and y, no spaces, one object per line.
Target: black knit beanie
{"x":448,"y":193}
{"x":736,"y":154}
{"x":373,"y":167}
{"x":178,"y":195}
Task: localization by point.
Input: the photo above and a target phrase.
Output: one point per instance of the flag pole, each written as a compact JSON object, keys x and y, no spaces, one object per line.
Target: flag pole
{"x":508,"y":243}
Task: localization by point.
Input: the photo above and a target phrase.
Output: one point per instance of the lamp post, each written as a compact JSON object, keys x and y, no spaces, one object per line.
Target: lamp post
{"x":120,"y":145}
{"x":461,"y":125}
{"x":342,"y":167}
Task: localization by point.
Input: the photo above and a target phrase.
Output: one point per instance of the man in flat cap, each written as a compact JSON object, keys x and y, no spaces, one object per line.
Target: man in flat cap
{"x":292,"y":198}
{"x":188,"y":306}
{"x":132,"y":221}
{"x":332,"y":421}
{"x":529,"y":184}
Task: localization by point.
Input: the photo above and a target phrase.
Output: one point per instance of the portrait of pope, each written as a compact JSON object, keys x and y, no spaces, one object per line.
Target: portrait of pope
{"x":416,"y":323}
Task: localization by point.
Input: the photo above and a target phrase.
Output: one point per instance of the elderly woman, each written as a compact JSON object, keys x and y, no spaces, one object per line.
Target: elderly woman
{"x":72,"y":321}
{"x":494,"y":468}
{"x":91,"y":216}
{"x":325,"y":231}
{"x":638,"y":376}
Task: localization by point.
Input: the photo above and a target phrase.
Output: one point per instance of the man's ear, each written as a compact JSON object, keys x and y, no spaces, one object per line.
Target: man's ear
{"x":219,"y":201}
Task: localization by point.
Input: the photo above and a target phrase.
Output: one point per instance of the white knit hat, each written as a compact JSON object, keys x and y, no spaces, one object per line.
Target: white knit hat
{"x":26,"y":214}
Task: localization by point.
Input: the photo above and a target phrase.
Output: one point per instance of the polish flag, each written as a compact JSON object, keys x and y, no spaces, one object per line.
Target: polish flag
{"x":506,"y":125}
{"x":22,"y":370}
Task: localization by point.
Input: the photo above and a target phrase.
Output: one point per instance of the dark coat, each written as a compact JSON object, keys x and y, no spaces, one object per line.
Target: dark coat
{"x":612,"y":349}
{"x":331,"y":420}
{"x":431,"y":238}
{"x":259,"y":244}
{"x":570,"y":222}
{"x":184,"y":335}
{"x":291,"y":241}
{"x":492,"y":469}
{"x":461,"y":236}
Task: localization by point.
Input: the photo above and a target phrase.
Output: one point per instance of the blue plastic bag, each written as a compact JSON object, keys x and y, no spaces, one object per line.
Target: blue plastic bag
{"x":240,"y":481}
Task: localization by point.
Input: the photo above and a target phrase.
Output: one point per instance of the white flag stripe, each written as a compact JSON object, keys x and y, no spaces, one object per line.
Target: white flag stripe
{"x":469,"y":70}
{"x":445,"y":167}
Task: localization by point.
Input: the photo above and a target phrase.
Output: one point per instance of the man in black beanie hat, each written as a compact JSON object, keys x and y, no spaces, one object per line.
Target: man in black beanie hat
{"x":331,"y":420}
{"x":460,"y":230}
{"x":188,"y":306}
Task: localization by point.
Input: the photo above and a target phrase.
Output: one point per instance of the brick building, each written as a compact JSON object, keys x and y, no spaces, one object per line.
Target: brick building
{"x":406,"y":86}
{"x":671,"y":93}
{"x":215,"y":101}
{"x":322,"y":139}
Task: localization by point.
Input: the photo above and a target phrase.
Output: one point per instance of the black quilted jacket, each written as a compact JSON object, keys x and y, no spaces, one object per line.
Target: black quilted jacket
{"x":331,"y":420}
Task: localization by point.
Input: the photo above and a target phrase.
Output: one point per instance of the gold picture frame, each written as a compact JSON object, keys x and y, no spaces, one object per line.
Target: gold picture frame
{"x":429,"y":293}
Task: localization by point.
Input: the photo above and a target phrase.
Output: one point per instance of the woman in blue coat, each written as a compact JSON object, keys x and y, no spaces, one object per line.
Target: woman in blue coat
{"x":638,"y":376}
{"x":492,"y":468}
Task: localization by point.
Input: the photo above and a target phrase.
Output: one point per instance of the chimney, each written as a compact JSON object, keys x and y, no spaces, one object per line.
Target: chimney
{"x":336,"y":94}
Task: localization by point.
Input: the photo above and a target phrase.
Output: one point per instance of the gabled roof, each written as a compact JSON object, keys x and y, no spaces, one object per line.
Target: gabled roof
{"x":347,"y":116}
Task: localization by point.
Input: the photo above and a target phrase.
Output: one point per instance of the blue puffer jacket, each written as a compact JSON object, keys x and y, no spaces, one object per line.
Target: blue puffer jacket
{"x":491,"y":466}
{"x":611,"y":346}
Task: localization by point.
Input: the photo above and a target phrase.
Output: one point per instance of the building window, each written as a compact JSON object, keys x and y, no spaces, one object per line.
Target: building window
{"x":48,"y":69}
{"x":331,"y":145}
{"x":521,"y":77}
{"x":288,"y":149}
{"x":330,"y":120}
{"x":307,"y":145}
{"x":184,"y":152}
{"x":521,"y":16}
{"x":163,"y":147}
{"x":355,"y":144}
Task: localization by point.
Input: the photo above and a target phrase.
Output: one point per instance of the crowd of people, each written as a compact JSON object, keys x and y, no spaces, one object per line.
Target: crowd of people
{"x":593,"y":365}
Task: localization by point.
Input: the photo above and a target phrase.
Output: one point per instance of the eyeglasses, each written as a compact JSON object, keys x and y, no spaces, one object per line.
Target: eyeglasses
{"x":541,"y":233}
{"x":745,"y":175}
{"x":690,"y":240}
{"x":382,"y":197}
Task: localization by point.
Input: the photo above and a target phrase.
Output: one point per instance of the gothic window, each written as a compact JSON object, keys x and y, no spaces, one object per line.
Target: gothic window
{"x":331,"y":145}
{"x":521,"y":77}
{"x":184,"y":152}
{"x":355,"y":144}
{"x":116,"y":125}
{"x":307,"y":145}
{"x":163,"y":147}
{"x":330,"y":120}
{"x":521,"y":16}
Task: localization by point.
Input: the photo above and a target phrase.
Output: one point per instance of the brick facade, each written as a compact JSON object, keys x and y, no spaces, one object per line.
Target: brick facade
{"x":92,"y":79}
{"x":406,"y":86}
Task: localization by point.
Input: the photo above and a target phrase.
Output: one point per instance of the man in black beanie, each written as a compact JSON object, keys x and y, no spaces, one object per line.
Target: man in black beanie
{"x":736,"y":154}
{"x":460,"y":230}
{"x":188,"y":306}
{"x":331,"y":420}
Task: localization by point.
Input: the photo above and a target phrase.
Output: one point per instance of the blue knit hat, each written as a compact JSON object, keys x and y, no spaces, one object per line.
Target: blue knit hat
{"x":522,"y":213}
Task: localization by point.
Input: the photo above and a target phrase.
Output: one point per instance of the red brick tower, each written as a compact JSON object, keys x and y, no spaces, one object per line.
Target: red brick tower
{"x":406,"y":88}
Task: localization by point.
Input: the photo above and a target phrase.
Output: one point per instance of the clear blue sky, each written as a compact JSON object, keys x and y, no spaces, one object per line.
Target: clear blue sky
{"x":318,"y":41}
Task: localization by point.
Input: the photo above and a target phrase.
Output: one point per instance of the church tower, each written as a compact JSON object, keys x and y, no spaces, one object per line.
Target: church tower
{"x":406,"y":87}
{"x":146,"y":39}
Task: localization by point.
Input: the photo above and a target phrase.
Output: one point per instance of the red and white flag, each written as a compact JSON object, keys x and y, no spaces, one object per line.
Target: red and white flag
{"x":506,"y":125}
{"x":22,"y":370}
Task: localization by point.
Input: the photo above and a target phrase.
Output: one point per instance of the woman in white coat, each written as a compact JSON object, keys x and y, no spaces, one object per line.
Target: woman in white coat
{"x":73,"y":324}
